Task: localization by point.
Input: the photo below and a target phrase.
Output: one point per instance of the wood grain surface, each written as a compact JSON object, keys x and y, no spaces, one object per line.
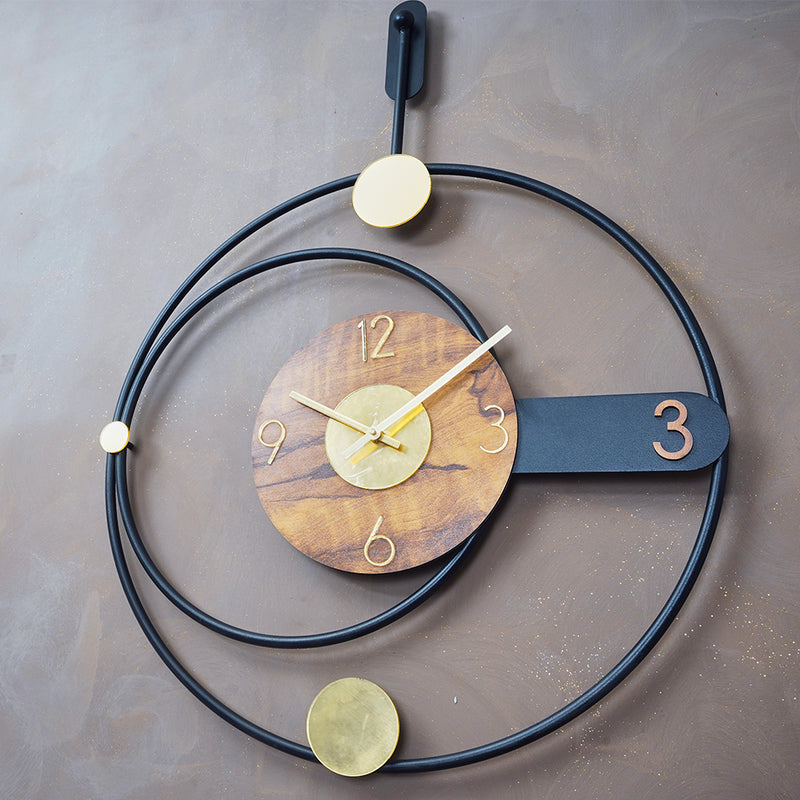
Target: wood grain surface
{"x":437,"y":507}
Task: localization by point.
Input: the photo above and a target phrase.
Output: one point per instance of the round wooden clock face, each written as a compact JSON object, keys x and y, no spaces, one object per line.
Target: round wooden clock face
{"x":358,"y":494}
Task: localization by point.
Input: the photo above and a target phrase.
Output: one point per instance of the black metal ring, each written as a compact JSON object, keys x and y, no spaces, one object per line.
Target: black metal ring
{"x":145,"y":367}
{"x":623,"y":668}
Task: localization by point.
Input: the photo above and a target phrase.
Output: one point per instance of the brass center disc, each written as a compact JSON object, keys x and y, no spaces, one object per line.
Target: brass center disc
{"x":352,"y":727}
{"x":392,"y":190}
{"x":376,"y":465}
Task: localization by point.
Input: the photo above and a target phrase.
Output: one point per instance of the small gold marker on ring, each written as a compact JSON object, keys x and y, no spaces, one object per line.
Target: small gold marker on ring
{"x":115,"y":437}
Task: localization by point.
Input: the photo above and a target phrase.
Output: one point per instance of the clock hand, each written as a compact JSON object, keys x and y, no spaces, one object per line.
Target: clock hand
{"x":372,"y":434}
{"x":441,"y":381}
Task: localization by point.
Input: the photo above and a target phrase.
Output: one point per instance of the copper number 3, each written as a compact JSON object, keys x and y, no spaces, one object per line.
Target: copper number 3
{"x":675,"y":425}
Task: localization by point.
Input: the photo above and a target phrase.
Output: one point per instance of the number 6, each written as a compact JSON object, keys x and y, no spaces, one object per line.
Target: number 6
{"x":373,"y":537}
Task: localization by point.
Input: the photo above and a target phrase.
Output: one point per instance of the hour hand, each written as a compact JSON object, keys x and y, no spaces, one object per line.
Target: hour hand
{"x":333,"y":414}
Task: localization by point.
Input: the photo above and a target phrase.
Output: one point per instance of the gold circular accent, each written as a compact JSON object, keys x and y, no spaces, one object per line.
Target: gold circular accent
{"x":392,"y":190}
{"x":376,"y":465}
{"x":352,"y":727}
{"x":114,"y":437}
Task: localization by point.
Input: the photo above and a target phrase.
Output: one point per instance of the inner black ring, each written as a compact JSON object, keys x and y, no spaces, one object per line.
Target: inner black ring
{"x":152,"y":344}
{"x":145,"y":367}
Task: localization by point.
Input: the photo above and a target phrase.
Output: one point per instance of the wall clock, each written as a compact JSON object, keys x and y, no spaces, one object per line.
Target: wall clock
{"x":387,"y":440}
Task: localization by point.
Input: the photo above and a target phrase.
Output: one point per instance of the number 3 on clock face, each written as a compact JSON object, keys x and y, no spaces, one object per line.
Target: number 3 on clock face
{"x":411,"y":492}
{"x":497,"y":424}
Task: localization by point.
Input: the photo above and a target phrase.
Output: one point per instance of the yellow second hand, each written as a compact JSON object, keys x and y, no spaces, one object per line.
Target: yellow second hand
{"x":371,"y":447}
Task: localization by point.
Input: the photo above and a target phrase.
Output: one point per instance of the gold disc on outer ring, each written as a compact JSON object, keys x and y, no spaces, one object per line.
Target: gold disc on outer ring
{"x":391,"y":191}
{"x":114,"y":437}
{"x":352,"y":727}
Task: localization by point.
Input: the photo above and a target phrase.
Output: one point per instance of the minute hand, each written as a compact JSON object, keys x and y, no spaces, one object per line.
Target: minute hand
{"x":455,"y":370}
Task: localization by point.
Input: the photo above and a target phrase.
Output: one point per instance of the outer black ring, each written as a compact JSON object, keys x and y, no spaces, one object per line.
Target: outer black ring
{"x":618,"y":673}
